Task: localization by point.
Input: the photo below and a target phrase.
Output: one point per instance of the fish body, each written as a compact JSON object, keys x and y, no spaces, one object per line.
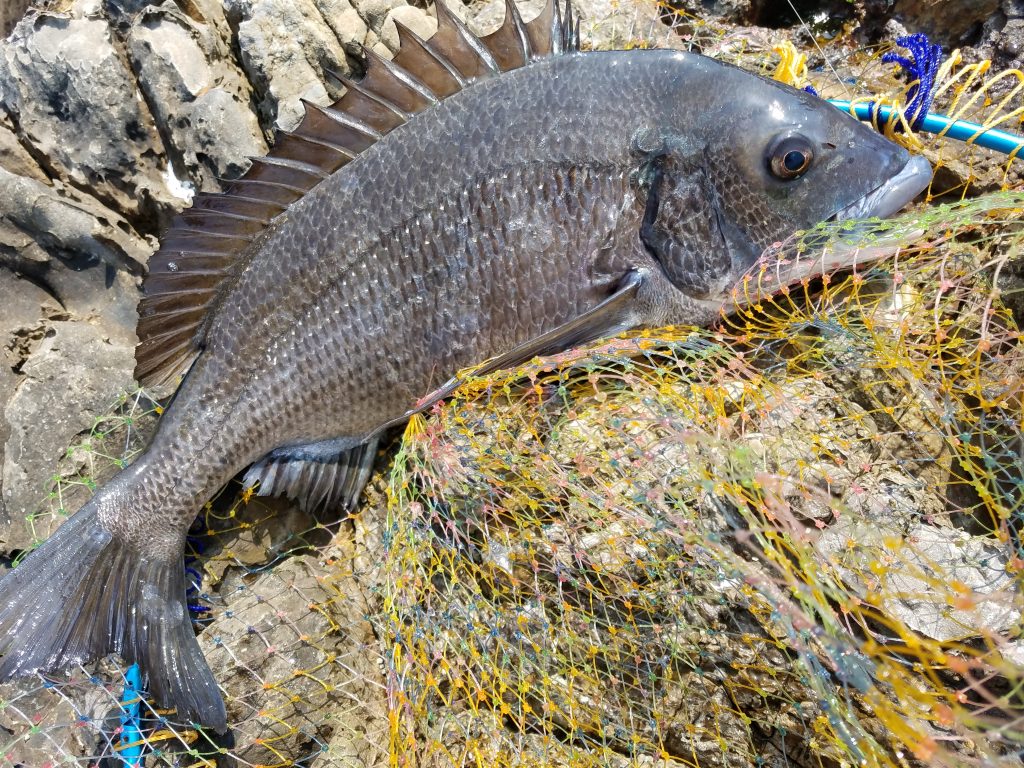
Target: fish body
{"x":573,"y":196}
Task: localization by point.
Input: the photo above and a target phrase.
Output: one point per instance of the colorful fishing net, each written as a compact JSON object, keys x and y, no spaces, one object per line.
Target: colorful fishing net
{"x":792,"y":540}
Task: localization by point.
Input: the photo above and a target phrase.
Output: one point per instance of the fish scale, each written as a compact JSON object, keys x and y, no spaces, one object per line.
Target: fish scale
{"x":478,"y":201}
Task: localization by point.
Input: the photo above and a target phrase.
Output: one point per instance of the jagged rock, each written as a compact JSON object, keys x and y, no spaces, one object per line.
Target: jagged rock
{"x":68,"y":89}
{"x":21,"y":329}
{"x":80,"y":226}
{"x":344,"y":19}
{"x":603,"y":24}
{"x":14,"y":157}
{"x":375,"y":12}
{"x":196,"y":93}
{"x":287,"y":49}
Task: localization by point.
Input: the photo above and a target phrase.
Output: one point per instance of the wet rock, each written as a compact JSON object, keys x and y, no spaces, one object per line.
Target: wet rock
{"x":287,"y":49}
{"x":196,"y":93}
{"x":922,"y":558}
{"x":63,"y":80}
{"x":951,"y":23}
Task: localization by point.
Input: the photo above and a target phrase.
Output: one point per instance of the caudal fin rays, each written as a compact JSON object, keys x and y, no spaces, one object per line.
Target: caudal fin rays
{"x":84,"y":594}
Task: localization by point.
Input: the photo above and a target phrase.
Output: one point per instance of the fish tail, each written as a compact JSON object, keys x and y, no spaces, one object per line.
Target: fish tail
{"x":85,"y":593}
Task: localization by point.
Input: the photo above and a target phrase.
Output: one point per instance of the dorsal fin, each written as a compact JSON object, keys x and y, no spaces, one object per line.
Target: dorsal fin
{"x":204,"y":243}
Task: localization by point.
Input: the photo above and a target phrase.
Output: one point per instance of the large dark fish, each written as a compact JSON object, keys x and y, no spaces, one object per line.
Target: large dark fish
{"x":476,"y":198}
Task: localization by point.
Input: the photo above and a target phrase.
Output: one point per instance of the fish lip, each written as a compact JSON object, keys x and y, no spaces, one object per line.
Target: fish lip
{"x":891,"y":195}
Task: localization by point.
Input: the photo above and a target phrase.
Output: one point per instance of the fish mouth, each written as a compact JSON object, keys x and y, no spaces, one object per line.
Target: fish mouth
{"x":890,"y":196}
{"x":779,"y":269}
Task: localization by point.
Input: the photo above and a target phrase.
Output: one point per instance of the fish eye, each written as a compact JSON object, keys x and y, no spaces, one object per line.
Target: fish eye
{"x":790,"y":157}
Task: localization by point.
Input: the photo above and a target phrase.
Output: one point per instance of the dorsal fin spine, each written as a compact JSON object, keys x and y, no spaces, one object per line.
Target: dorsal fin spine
{"x":447,"y":19}
{"x":294,"y":165}
{"x":406,"y":35}
{"x":321,"y":142}
{"x":351,"y":122}
{"x":375,"y":97}
{"x":512,"y":12}
{"x":557,"y":32}
{"x":250,"y":183}
{"x":244,"y":199}
{"x":230,"y":215}
{"x":186,"y":230}
{"x":406,"y":78}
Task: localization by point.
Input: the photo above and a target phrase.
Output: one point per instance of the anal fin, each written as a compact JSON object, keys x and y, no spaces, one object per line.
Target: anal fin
{"x":319,"y":476}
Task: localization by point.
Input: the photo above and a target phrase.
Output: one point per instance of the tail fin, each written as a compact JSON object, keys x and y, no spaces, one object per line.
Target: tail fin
{"x":84,"y":594}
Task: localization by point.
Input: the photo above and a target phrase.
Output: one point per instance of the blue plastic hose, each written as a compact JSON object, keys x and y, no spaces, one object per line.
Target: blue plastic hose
{"x":963,"y":130}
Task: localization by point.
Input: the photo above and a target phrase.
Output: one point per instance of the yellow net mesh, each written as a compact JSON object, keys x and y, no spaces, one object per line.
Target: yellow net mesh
{"x":787,"y":540}
{"x":790,"y":540}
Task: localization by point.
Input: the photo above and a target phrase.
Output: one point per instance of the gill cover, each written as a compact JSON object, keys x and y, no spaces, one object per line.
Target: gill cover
{"x":682,"y":227}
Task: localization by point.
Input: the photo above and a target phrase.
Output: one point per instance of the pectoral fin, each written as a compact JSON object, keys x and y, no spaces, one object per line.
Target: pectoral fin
{"x":618,"y":313}
{"x":318,"y":476}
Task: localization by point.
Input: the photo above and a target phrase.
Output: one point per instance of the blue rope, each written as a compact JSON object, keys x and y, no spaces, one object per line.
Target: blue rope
{"x":922,"y":68}
{"x":130,"y":743}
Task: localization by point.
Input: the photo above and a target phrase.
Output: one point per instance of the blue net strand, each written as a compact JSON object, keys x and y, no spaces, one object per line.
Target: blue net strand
{"x":921,"y":67}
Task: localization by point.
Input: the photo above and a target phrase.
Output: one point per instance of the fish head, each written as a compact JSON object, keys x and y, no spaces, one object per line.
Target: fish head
{"x":773,"y":161}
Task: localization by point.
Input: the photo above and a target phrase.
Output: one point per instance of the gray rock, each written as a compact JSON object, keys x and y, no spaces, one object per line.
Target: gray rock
{"x":415,"y":19}
{"x":624,"y":24}
{"x":22,"y":327}
{"x":79,"y":224}
{"x":927,"y":556}
{"x":65,"y":83}
{"x":76,"y":372}
{"x":604,"y":23}
{"x":375,"y":12}
{"x":344,"y":19}
{"x":196,"y":94}
{"x":287,"y":49}
{"x":286,"y":664}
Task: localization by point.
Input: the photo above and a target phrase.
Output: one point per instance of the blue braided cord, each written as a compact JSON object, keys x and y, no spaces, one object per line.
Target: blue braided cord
{"x":130,"y":743}
{"x":922,"y":67}
{"x":810,"y":89}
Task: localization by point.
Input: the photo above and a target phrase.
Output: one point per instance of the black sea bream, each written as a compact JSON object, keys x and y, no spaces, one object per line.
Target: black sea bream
{"x":477,"y":198}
